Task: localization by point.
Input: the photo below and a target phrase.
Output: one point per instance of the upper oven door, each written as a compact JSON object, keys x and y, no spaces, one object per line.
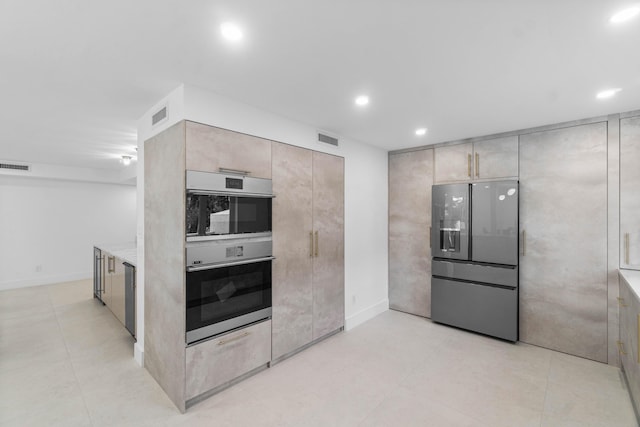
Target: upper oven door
{"x":215,"y":215}
{"x":220,"y":205}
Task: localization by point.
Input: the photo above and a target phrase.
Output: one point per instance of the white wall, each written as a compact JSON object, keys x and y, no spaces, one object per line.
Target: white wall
{"x":52,"y":225}
{"x":366,"y":249}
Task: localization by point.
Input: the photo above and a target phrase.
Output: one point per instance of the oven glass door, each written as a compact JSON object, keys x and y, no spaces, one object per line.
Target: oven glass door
{"x":219,"y":294}
{"x":218,"y":215}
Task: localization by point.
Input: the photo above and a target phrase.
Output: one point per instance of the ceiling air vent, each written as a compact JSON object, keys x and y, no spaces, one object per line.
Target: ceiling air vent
{"x":14,"y":167}
{"x":327,"y":139}
{"x":159,"y":116}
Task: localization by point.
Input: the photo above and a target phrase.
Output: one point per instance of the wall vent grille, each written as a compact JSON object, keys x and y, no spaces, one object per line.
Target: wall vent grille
{"x":327,"y":139}
{"x":159,"y":116}
{"x":15,"y":167}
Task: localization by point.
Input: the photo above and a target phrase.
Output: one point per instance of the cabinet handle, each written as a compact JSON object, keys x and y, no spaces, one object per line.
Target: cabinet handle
{"x":469,"y":165}
{"x":524,"y":242}
{"x":477,"y":165}
{"x":317,"y":251}
{"x":237,"y":337}
{"x":311,"y":244}
{"x":621,"y":348}
{"x":233,"y":171}
{"x":626,"y":248}
{"x":638,"y":353}
{"x":429,"y":237}
{"x":621,"y":302}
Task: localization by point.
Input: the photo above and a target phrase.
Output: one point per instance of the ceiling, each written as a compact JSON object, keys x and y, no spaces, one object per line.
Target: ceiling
{"x":76,"y":75}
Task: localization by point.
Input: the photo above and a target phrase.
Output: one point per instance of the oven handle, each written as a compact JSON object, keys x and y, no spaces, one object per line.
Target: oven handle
{"x":228,"y":264}
{"x":229,"y":193}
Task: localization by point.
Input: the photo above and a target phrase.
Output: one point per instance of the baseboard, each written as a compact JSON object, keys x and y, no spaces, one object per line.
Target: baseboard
{"x":47,"y":280}
{"x":366,"y":314}
{"x":138,"y":354}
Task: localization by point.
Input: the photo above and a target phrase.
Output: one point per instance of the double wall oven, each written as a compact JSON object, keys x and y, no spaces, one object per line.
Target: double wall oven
{"x":228,"y":253}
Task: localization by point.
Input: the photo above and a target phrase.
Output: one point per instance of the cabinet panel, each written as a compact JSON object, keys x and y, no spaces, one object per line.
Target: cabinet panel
{"x":410,"y":180}
{"x":629,"y":324}
{"x":328,"y":264}
{"x":292,"y":246}
{"x":496,"y":158}
{"x":218,"y":361}
{"x":453,"y":163}
{"x":630,"y":193}
{"x":210,"y":148}
{"x":563,"y":263}
{"x":117,"y":290}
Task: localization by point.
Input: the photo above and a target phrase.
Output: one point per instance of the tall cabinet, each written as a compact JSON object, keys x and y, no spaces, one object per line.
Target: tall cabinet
{"x":630,"y":193}
{"x":563,"y":221}
{"x":308,"y":243}
{"x":410,"y":180}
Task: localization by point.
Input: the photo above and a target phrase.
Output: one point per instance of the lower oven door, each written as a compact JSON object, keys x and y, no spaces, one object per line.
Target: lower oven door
{"x":227,"y":297}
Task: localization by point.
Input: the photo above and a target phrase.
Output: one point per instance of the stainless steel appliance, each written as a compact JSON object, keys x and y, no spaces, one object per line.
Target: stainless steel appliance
{"x":474,"y":244}
{"x":98,"y":279}
{"x":130,"y":298}
{"x":228,"y":285}
{"x":223,"y":205}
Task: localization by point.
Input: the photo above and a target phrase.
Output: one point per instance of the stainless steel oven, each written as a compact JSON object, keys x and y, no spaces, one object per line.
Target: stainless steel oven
{"x":222,"y":206}
{"x":228,"y":285}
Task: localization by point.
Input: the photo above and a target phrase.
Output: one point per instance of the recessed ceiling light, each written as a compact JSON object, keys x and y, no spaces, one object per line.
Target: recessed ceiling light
{"x":231,"y":31}
{"x":421,"y":131}
{"x":625,"y":15}
{"x":362,"y":100}
{"x":608,"y":93}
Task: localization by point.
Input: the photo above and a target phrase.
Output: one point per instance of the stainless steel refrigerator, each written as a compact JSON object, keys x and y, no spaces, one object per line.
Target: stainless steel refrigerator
{"x":474,"y":243}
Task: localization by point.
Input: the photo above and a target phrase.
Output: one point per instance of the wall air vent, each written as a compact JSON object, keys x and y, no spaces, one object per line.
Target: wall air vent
{"x":159,"y":116}
{"x":327,"y":139}
{"x":15,"y":167}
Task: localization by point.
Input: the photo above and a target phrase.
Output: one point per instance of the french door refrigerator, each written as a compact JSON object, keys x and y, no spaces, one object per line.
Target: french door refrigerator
{"x":474,"y":243}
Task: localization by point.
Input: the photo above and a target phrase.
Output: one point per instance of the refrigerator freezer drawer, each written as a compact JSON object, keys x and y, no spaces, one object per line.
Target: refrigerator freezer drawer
{"x":505,"y":276}
{"x":485,"y":309}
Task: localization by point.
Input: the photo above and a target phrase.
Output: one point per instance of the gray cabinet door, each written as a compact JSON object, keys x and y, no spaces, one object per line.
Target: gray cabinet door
{"x":117,"y":290}
{"x":496,"y":158}
{"x":292,"y":246}
{"x":630,"y":193}
{"x":328,"y":224}
{"x":454,"y":163}
{"x":210,"y":148}
{"x":563,"y":263}
{"x":410,"y":181}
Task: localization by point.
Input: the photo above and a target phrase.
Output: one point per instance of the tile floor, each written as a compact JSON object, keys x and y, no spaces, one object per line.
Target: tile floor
{"x":66,"y":361}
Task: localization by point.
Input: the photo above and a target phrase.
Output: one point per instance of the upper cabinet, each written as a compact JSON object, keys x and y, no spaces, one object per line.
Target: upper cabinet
{"x":453,"y":163}
{"x":210,"y":149}
{"x":488,"y":159}
{"x":630,"y":193}
{"x":496,"y":158}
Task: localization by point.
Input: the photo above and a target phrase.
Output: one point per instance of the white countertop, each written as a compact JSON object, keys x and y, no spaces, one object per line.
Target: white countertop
{"x":125,"y":251}
{"x":632,"y":277}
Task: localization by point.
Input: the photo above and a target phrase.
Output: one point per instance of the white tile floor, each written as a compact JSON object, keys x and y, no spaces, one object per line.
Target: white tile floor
{"x":65,"y":360}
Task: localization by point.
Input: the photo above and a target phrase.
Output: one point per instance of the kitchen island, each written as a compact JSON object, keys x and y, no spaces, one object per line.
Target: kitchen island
{"x":114,"y":273}
{"x":629,"y":342}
